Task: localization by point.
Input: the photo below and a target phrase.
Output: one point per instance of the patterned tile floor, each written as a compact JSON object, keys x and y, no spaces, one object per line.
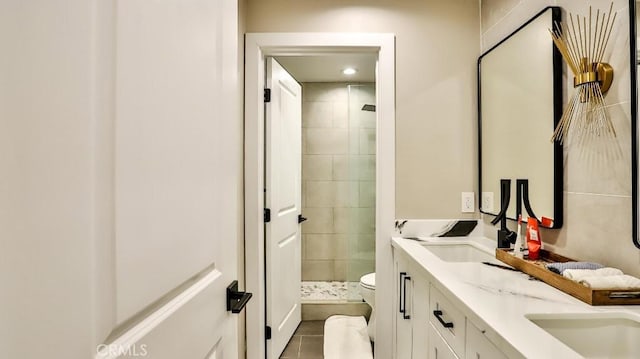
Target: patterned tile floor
{"x":330,"y":291}
{"x":307,"y":342}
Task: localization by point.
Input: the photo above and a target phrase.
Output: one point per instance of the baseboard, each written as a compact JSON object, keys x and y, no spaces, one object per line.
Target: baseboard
{"x":322,"y":311}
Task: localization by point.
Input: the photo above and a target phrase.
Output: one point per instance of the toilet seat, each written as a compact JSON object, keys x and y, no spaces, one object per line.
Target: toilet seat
{"x":368,"y":292}
{"x":368,"y":281}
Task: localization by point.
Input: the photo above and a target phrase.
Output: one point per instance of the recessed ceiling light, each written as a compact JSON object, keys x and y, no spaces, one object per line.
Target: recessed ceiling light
{"x":349,"y":71}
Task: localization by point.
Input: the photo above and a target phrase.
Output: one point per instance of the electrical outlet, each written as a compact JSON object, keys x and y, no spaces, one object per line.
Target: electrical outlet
{"x":487,"y":202}
{"x":468,"y":202}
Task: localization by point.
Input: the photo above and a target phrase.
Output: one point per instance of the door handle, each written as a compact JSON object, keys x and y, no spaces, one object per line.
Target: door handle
{"x":236,"y":300}
{"x":404,"y":299}
{"x":438,"y":315}
{"x":400,"y":288}
{"x":301,"y":219}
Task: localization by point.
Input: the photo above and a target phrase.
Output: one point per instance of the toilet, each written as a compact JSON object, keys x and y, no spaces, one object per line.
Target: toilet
{"x":368,"y":292}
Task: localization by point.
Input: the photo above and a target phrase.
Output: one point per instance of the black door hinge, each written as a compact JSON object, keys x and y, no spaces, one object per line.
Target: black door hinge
{"x":267,"y":215}
{"x":267,"y":333}
{"x":267,"y":95}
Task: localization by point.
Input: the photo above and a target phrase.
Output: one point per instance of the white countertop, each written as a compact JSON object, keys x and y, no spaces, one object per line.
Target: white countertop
{"x":501,"y":298}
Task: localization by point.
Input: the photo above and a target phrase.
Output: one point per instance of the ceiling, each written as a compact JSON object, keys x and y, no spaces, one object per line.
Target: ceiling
{"x":328,"y":68}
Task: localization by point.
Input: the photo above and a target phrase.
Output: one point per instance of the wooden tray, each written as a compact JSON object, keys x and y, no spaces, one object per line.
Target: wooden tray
{"x":590,"y":296}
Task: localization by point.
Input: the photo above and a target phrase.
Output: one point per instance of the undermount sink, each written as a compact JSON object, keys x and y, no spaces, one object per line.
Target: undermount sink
{"x":594,"y":335}
{"x":460,"y":252}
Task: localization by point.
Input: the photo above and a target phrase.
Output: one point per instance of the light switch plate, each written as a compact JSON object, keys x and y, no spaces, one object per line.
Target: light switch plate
{"x":468,"y":202}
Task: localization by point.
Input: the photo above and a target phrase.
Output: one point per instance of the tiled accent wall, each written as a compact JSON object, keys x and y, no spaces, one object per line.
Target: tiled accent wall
{"x":597,"y":194}
{"x":338,"y":188}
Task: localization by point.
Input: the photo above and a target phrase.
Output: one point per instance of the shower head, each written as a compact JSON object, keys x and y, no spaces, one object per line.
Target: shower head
{"x":371,"y":108}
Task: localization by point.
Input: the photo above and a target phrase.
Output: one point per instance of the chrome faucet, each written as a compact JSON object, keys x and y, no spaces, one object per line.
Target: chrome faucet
{"x":400,"y":225}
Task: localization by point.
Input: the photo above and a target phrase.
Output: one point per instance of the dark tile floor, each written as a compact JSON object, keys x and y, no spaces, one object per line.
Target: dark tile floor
{"x":306,"y":342}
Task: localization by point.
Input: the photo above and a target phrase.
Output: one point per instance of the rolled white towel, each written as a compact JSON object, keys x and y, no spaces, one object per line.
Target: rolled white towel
{"x":578,"y":274}
{"x":611,"y":282}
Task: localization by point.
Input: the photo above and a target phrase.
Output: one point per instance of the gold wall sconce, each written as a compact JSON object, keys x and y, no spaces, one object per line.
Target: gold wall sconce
{"x":582,"y":43}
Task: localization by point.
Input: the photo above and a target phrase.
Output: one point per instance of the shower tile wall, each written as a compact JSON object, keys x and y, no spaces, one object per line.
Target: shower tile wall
{"x":338,"y":173}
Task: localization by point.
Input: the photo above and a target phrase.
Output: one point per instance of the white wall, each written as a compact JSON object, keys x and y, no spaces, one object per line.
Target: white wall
{"x":437,"y":46}
{"x":597,"y":194}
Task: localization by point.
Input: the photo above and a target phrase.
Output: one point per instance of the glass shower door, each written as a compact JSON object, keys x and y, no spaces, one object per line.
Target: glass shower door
{"x":362,"y":170}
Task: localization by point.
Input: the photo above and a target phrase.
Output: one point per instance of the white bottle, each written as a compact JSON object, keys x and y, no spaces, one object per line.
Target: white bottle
{"x":519,"y":247}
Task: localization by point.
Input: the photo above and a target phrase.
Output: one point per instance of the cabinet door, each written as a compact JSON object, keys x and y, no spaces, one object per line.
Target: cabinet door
{"x":438,"y":348}
{"x":420,"y":317}
{"x":448,"y":320}
{"x":403,"y":310}
{"x":479,"y":347}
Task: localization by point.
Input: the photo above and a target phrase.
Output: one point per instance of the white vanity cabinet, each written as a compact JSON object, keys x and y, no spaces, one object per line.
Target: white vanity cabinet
{"x":454,"y":335}
{"x":448,"y":321}
{"x":411,"y":310}
{"x":403,"y":308}
{"x":478,"y":346}
{"x":420,"y":317}
{"x":428,"y":325}
{"x":438,"y":347}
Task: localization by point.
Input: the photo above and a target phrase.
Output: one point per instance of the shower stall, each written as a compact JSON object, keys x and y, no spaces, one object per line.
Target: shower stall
{"x":338,"y":196}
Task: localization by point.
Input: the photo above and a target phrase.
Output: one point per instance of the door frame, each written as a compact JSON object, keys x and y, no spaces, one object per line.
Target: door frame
{"x":257,"y":47}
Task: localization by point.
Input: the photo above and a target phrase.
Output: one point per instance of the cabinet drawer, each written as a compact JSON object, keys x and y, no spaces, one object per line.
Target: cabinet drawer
{"x":448,"y":321}
{"x":438,"y":348}
{"x":479,"y":347}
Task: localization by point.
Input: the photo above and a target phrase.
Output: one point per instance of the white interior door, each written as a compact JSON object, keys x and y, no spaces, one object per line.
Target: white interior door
{"x":176,"y":176}
{"x":283,"y":192}
{"x":120,"y":154}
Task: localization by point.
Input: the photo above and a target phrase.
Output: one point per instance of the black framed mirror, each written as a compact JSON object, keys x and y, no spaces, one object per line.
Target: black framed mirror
{"x":633,"y":66}
{"x":519,"y":105}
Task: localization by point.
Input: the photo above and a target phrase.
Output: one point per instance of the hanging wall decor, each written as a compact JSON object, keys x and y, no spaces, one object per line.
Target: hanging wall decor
{"x":582,"y":43}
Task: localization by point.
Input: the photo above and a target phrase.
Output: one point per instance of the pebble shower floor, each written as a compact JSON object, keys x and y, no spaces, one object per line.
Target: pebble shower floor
{"x":315,"y":291}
